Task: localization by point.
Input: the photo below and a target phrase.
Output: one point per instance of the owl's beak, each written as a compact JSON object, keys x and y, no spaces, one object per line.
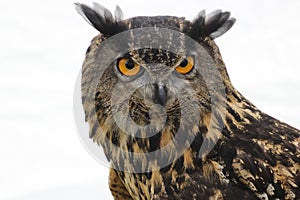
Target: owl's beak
{"x":161,"y":95}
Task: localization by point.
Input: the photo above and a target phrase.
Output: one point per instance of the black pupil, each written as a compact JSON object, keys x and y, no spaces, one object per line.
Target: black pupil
{"x":129,"y":64}
{"x":184,"y":63}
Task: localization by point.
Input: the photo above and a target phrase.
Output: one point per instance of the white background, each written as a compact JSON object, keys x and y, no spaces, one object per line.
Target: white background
{"x":42,"y":47}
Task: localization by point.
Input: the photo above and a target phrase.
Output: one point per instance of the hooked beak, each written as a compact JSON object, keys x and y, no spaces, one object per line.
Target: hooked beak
{"x":161,"y":94}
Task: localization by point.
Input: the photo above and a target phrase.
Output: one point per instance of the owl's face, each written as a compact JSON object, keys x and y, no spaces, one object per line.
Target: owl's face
{"x":147,"y":80}
{"x":151,"y":74}
{"x":156,"y":79}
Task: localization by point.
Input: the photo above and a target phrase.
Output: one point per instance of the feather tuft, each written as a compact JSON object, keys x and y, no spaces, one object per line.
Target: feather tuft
{"x":101,"y":18}
{"x":212,"y":25}
{"x":118,"y":14}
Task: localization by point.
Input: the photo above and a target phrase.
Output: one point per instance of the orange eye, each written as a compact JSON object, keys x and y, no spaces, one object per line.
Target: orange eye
{"x":127,"y":67}
{"x":186,"y":65}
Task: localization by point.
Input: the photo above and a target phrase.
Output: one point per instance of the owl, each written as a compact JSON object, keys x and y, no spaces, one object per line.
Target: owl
{"x":158,"y":99}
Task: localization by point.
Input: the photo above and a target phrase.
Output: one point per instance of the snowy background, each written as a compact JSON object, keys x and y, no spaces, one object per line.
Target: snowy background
{"x":42,"y":47}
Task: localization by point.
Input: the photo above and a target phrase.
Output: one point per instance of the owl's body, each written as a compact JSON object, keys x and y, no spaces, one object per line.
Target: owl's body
{"x":250,"y":155}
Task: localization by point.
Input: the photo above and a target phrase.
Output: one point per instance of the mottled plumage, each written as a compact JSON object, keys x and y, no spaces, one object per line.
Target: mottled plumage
{"x":254,"y":157}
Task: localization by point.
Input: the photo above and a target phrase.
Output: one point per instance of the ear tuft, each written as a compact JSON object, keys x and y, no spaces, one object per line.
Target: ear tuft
{"x":118,"y":14}
{"x":102,"y":19}
{"x":212,"y":25}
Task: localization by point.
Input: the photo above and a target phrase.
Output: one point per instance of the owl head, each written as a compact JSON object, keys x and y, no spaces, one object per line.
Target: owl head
{"x":148,"y":80}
